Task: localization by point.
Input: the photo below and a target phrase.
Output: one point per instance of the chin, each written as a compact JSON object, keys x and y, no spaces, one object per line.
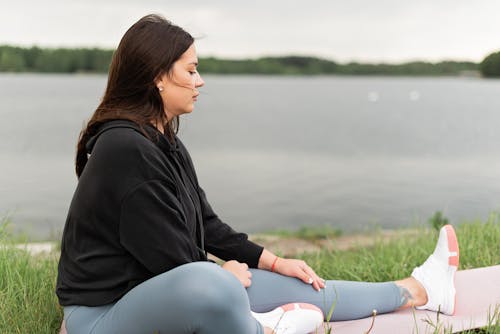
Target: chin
{"x":185,"y":111}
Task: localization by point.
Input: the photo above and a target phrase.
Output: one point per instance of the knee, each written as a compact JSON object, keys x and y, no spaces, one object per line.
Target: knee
{"x":213,"y":288}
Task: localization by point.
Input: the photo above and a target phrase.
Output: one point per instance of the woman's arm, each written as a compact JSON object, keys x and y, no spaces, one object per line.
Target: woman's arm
{"x":220,"y":239}
{"x":227,"y":244}
{"x":224,"y":242}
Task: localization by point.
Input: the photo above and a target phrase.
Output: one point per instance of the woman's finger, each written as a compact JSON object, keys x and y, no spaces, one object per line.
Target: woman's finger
{"x":247,"y":282}
{"x":304,"y":277}
{"x":316,"y":281}
{"x":321,"y":282}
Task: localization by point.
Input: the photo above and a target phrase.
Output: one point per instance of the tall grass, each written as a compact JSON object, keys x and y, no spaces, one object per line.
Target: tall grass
{"x":479,"y":247}
{"x":27,"y":300}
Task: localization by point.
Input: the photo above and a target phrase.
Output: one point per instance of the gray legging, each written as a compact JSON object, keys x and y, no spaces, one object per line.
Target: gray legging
{"x":203,"y":298}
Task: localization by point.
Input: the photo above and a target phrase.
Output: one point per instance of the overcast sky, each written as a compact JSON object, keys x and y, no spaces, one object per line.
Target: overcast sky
{"x":341,"y":30}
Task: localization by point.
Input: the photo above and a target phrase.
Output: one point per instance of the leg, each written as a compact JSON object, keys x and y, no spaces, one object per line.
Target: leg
{"x":353,"y":300}
{"x":197,"y":298}
{"x":431,"y":287}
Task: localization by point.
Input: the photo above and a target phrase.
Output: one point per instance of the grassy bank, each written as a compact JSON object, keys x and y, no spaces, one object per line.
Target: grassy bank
{"x":28,"y":303}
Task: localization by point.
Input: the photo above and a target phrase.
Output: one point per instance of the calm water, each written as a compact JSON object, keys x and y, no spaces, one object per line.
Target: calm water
{"x":279,"y":152}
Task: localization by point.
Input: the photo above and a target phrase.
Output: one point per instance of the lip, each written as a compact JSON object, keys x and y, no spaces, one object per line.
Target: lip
{"x":195,"y":97}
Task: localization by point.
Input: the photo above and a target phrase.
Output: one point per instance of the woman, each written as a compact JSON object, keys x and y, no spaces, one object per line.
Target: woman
{"x":135,"y":243}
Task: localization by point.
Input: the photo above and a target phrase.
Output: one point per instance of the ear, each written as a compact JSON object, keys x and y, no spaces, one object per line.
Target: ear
{"x":161,"y":80}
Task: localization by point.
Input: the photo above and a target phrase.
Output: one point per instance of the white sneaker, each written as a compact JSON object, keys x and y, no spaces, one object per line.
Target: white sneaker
{"x":437,"y":274}
{"x":295,"y":318}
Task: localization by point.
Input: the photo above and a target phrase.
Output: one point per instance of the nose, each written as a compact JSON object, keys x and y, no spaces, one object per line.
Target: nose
{"x":199,"y":81}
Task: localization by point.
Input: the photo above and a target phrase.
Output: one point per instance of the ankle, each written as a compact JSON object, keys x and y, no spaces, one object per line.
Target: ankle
{"x":412,"y":292}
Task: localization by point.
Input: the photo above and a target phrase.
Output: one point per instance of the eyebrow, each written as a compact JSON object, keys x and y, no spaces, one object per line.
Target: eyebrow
{"x":195,"y":63}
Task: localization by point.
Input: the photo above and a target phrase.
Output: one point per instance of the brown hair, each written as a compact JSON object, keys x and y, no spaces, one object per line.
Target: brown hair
{"x":147,"y":51}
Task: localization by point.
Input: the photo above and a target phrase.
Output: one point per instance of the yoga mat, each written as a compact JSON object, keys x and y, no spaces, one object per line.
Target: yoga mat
{"x":478,"y":291}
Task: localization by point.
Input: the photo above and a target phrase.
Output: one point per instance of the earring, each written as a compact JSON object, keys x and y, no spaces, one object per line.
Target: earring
{"x":160,"y":89}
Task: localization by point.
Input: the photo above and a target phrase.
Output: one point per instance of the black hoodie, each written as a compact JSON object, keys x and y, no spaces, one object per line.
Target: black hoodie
{"x":137,"y":212}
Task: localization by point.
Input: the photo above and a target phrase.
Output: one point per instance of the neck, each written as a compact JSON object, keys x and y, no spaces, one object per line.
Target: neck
{"x":159,"y":126}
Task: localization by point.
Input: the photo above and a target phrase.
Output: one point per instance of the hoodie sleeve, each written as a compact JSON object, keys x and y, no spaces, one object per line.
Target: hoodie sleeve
{"x":222,"y":241}
{"x":153,"y":228}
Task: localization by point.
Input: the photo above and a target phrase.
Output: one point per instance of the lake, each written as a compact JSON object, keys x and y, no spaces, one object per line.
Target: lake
{"x":279,"y":152}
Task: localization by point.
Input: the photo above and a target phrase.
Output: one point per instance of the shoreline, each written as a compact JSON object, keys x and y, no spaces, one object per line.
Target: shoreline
{"x":290,"y":246}
{"x":284,"y":245}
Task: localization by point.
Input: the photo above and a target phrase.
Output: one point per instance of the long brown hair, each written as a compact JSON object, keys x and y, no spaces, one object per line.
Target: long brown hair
{"x":148,"y":50}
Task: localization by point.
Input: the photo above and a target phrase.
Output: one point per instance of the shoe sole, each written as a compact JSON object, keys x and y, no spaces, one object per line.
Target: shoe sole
{"x":453,"y":260}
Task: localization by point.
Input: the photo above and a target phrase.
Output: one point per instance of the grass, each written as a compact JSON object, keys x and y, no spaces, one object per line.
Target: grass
{"x":479,"y":247}
{"x":28,"y":302}
{"x":29,"y":305}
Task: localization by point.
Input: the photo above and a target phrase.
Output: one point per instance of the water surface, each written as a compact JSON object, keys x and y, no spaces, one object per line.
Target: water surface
{"x":279,"y":152}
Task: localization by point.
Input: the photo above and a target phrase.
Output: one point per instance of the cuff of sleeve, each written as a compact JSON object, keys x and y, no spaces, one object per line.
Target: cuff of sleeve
{"x":252,"y":254}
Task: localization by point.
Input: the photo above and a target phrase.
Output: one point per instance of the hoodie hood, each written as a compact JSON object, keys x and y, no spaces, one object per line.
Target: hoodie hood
{"x":154,"y":135}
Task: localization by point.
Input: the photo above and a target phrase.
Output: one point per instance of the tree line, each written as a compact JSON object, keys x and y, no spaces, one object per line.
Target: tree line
{"x":94,"y":60}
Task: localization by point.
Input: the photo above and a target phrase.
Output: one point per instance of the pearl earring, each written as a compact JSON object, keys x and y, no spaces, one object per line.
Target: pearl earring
{"x":160,"y":89}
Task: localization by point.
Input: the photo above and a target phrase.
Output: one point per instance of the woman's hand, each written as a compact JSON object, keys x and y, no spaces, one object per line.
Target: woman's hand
{"x":300,"y":270}
{"x":290,"y":267}
{"x":240,"y":270}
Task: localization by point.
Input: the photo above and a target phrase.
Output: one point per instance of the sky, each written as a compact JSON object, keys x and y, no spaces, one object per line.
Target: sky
{"x":340,"y":30}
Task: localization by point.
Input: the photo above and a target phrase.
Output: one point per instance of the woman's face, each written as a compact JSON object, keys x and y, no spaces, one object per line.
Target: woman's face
{"x":179,"y":88}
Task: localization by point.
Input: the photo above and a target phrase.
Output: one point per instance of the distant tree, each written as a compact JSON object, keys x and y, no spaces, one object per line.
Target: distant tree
{"x":60,"y":60}
{"x":11,"y":59}
{"x":490,"y":66}
{"x":31,"y":57}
